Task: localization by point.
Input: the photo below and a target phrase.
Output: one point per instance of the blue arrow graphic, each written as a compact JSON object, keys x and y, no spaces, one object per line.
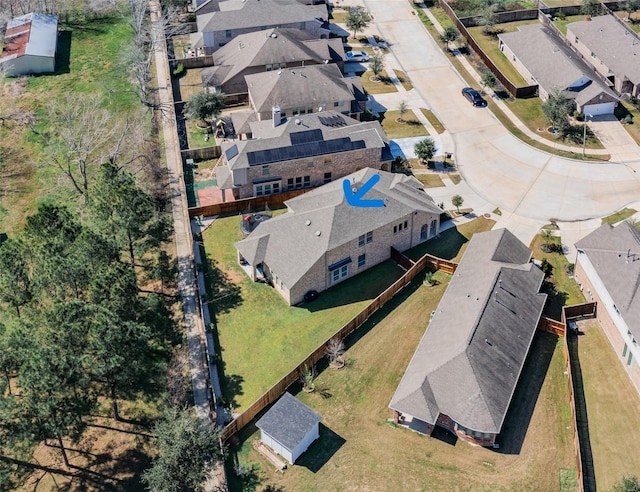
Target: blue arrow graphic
{"x":355,"y":199}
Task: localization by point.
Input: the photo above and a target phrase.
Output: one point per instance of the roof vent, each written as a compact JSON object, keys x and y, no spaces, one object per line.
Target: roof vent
{"x":298,"y":121}
{"x":318,"y":233}
{"x":307,"y":223}
{"x":274,"y":35}
{"x":486,"y":340}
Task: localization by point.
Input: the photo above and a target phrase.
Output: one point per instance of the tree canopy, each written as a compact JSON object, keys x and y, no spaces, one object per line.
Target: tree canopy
{"x":358,"y":19}
{"x":425,"y":149}
{"x":557,"y":108}
{"x":204,"y":105}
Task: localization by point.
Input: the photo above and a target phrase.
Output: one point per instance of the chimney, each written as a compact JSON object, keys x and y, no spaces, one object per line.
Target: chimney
{"x":276,"y":116}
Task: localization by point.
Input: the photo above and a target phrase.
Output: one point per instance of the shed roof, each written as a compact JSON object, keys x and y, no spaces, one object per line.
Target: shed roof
{"x":288,"y":421}
{"x":471,"y":355}
{"x":322,"y":219}
{"x":613,"y":43}
{"x":614,"y":252}
{"x":31,"y":34}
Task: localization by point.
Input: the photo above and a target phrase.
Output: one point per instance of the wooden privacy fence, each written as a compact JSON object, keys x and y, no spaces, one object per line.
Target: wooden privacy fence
{"x":515,"y":91}
{"x":574,"y":419}
{"x":254,"y":203}
{"x":552,"y":326}
{"x":273,"y":393}
{"x":588,"y":309}
{"x":202,"y":153}
{"x":193,"y":62}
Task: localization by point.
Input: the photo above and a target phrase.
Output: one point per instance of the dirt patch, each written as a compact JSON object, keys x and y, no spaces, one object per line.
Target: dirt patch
{"x":14,"y":89}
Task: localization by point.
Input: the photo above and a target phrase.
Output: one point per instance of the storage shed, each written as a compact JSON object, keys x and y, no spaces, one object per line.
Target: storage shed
{"x":289,"y":427}
{"x":30,"y":45}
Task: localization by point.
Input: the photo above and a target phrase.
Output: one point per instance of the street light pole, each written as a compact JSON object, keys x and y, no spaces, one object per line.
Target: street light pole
{"x":584,"y":133}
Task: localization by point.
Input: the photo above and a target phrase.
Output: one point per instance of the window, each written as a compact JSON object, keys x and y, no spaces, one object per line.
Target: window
{"x":577,"y":39}
{"x":361,"y":240}
{"x":265,"y":170}
{"x":327,"y":159}
{"x":283,"y":65}
{"x":477,"y":435}
{"x":310,"y":163}
{"x":338,"y":104}
{"x":395,"y":229}
{"x":290,"y":184}
{"x":266,"y":189}
{"x":306,"y":181}
{"x":617,"y":310}
{"x":406,"y":224}
{"x":625,"y":350}
{"x":369,"y":236}
{"x":227,"y":33}
{"x":327,"y":177}
{"x":310,"y":109}
{"x":269,"y":68}
{"x":339,"y":273}
{"x":593,"y":55}
{"x":302,"y":26}
{"x":362,"y":259}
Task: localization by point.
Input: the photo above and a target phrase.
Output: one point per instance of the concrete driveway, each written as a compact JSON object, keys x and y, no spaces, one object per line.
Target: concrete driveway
{"x":496,"y":166}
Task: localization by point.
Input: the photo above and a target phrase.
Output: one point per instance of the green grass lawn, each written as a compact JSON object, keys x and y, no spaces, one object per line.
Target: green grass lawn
{"x":435,"y":122}
{"x":490,"y":46}
{"x":381,"y":87}
{"x":404,"y":80}
{"x":197,"y":137}
{"x":618,"y":216}
{"x":634,"y":128}
{"x":359,"y":449}
{"x":612,"y":434}
{"x":562,"y":23}
{"x":253,"y":318}
{"x":452,"y":243}
{"x":430,"y":180}
{"x":411,"y":127}
{"x":190,"y":83}
{"x":563,"y":291}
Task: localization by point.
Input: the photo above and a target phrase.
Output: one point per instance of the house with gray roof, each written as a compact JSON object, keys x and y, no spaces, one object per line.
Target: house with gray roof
{"x":264,"y":51}
{"x":289,"y":427}
{"x":611,"y":48}
{"x":300,"y":90}
{"x":322,"y":240}
{"x":465,"y":370}
{"x":30,"y":43}
{"x":607,"y":268}
{"x":542,"y":58}
{"x":300,"y":152}
{"x":221,"y":21}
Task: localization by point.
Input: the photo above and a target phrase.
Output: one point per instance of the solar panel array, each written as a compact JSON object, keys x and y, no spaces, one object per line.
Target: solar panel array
{"x":334,"y":121}
{"x":302,"y":150}
{"x":231,"y":152}
{"x":306,"y":136}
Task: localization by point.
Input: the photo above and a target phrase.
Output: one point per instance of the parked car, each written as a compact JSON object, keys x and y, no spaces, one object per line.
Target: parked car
{"x":356,"y":56}
{"x":474,"y":97}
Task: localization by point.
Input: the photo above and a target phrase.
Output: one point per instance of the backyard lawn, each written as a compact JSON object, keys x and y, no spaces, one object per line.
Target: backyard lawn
{"x":359,"y":449}
{"x":613,"y":408}
{"x":260,"y":336}
{"x":453,"y":242}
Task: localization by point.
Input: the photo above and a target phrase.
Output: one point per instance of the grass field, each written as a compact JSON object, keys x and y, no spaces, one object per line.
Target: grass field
{"x":411,"y":127}
{"x":403,"y":79}
{"x":430,"y":180}
{"x":383,"y":86}
{"x":453,"y":242}
{"x":435,"y":122}
{"x":254,"y":319}
{"x":359,"y":449}
{"x":619,"y":216}
{"x":88,"y":61}
{"x":606,"y":386}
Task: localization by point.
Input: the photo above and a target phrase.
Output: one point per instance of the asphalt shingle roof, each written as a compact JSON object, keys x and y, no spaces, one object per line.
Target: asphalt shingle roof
{"x":288,"y":421}
{"x":326,"y":210}
{"x":469,"y":360}
{"x":614,"y":252}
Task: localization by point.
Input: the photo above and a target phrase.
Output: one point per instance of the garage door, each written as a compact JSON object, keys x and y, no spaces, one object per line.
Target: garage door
{"x":597,"y":109}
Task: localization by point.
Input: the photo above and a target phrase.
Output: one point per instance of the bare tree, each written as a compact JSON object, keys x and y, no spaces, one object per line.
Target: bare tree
{"x":335,"y":351}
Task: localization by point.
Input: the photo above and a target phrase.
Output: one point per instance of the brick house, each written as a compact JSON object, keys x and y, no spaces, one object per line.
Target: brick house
{"x":300,"y":90}
{"x":264,"y":51}
{"x":611,"y":48}
{"x":541,"y":58}
{"x":322,"y":240}
{"x":303,"y":152}
{"x":221,"y":21}
{"x":463,"y":374}
{"x":607,"y":268}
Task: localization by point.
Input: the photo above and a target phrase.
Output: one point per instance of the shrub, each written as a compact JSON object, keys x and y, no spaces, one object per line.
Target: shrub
{"x":179,"y":70}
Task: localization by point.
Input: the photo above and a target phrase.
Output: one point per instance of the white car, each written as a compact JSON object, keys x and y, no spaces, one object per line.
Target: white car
{"x":356,"y":56}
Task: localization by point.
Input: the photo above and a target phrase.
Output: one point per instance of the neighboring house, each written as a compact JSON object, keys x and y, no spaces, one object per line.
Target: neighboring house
{"x":263,"y":51}
{"x":301,"y":90}
{"x":289,"y":427}
{"x":543,"y":59}
{"x":607,"y":269}
{"x":30,"y":43}
{"x":611,"y":48}
{"x":323,"y":240}
{"x":220,"y":21}
{"x":302,"y":152}
{"x":466,"y":367}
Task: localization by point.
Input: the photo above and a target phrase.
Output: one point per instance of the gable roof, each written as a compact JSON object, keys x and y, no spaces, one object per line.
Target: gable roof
{"x":324,"y":133}
{"x":326,"y":211}
{"x":471,"y":355}
{"x":288,"y":421}
{"x":266,"y":47}
{"x":31,"y":34}
{"x":614,"y":253}
{"x":553,"y":64}
{"x":255,"y":14}
{"x":300,"y":87}
{"x":612,"y":42}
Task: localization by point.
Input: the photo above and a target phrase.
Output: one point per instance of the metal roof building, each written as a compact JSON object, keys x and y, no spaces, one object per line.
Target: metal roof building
{"x":30,"y":45}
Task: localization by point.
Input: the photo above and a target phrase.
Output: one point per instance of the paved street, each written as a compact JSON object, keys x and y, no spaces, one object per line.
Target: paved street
{"x":497,"y":167}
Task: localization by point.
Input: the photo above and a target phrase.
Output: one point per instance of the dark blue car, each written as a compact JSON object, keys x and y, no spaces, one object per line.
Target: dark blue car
{"x":474,"y":97}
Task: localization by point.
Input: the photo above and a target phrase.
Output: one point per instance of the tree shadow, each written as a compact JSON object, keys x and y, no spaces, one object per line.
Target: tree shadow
{"x":516,"y":422}
{"x":321,"y":450}
{"x":555,"y":300}
{"x":222,"y":292}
